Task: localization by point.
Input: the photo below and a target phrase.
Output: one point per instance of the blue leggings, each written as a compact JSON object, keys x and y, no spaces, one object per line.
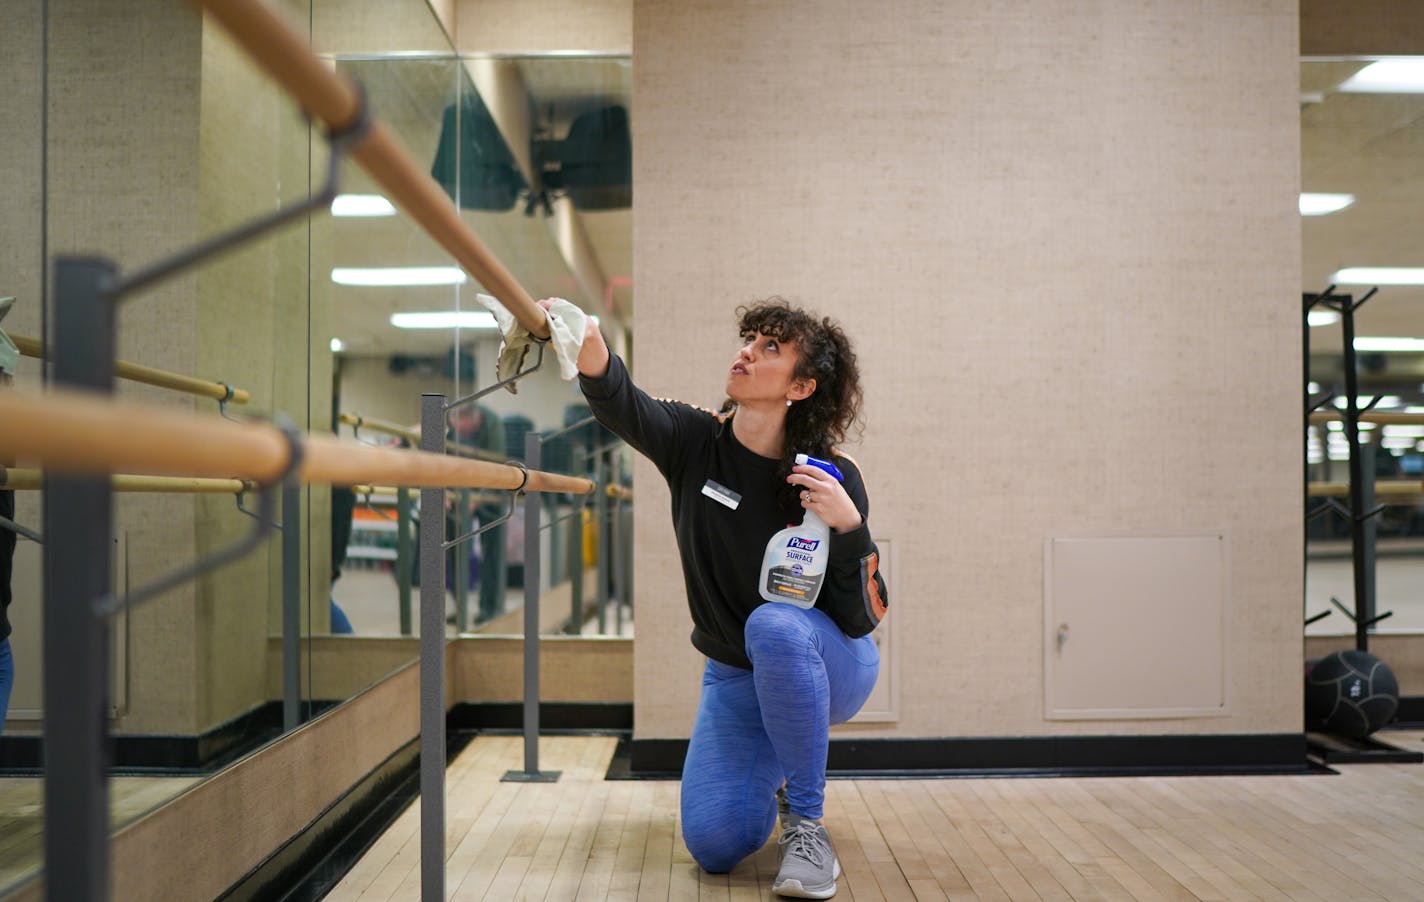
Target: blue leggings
{"x":7,"y":678}
{"x":758,"y":727}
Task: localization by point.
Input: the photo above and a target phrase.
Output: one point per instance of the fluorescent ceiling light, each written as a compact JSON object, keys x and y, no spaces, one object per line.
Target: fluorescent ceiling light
{"x":1379,"y":275}
{"x":1320,"y":204}
{"x":1321,"y":318}
{"x":1400,"y":75}
{"x":1415,"y":345}
{"x":370,"y":205}
{"x":1399,"y":442}
{"x":398,"y":275}
{"x":445,"y":319}
{"x":1385,"y":400}
{"x":337,"y":346}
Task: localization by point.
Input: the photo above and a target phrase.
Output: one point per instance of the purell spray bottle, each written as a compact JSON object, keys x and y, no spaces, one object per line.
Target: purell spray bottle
{"x":794,"y":566}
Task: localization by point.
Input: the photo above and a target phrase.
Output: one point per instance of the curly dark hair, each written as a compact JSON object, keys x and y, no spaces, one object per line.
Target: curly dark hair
{"x":816,"y":424}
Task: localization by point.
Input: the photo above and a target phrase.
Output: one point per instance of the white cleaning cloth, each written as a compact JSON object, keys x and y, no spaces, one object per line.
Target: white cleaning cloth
{"x":566,"y":325}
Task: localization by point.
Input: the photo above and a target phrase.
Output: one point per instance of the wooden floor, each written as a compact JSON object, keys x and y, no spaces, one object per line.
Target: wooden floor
{"x":1356,"y":836}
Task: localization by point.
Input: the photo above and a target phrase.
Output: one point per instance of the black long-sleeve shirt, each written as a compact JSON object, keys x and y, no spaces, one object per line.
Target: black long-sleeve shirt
{"x":721,"y":548}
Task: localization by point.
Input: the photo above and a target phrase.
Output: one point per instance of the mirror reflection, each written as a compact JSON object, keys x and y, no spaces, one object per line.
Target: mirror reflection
{"x":536,"y":154}
{"x":1358,"y":159}
{"x":309,"y":323}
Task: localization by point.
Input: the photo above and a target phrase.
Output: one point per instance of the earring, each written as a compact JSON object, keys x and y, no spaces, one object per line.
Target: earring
{"x":788,"y":402}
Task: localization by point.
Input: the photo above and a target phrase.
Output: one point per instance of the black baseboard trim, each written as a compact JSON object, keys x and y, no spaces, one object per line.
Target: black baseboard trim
{"x":1283,"y":753}
{"x":554,"y":717}
{"x":170,"y":755}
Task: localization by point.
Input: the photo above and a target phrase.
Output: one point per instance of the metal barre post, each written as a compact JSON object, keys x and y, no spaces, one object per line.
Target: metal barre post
{"x":432,"y":661}
{"x":462,"y":562}
{"x":76,"y":636}
{"x":531,"y":774}
{"x":291,"y":605}
{"x":600,"y":516}
{"x":403,"y":556}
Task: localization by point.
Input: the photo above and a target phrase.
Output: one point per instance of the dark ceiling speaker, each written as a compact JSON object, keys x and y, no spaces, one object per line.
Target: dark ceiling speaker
{"x":596,"y":160}
{"x":472,"y":148}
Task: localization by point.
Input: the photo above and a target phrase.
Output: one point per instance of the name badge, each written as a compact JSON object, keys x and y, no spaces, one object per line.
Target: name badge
{"x":721,"y":494}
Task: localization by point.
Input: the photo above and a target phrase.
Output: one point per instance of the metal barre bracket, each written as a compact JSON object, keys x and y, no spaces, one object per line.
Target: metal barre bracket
{"x":222,"y":402}
{"x":111,"y":603}
{"x":513,"y":494}
{"x":538,"y":361}
{"x":7,"y":523}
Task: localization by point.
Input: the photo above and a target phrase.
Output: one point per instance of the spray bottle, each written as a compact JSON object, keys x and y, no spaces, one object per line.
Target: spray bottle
{"x":794,"y":566}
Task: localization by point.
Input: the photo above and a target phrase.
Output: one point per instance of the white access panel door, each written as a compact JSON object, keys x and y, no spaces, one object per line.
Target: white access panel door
{"x":1135,"y":626}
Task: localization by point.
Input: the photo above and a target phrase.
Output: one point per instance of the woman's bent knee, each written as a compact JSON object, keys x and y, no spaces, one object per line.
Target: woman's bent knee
{"x":715,"y":851}
{"x":773,"y":626}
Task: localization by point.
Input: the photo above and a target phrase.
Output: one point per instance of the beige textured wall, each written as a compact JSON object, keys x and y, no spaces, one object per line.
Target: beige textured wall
{"x":519,"y":26}
{"x":162,"y":133}
{"x":238,"y":337}
{"x":123,"y":178}
{"x":1065,"y":241}
{"x":1335,"y":28}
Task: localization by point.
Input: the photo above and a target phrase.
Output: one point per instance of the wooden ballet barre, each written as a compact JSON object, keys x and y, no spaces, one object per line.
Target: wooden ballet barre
{"x":1383,"y":417}
{"x":19,"y":479}
{"x":356,"y":421}
{"x":137,"y":372}
{"x":336,"y":101}
{"x":365,"y":491}
{"x":1393,"y":487}
{"x":76,"y":432}
{"x":620,"y":492}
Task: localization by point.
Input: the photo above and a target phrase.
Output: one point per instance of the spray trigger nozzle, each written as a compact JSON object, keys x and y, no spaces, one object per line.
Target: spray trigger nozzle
{"x":809,"y":461}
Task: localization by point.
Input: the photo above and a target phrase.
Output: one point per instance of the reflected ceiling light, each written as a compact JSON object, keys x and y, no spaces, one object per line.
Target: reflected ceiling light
{"x":398,"y":275}
{"x":337,"y":346}
{"x":1321,"y":318}
{"x":1379,"y":275}
{"x":1320,"y":204}
{"x":1401,"y":75}
{"x":1385,"y":401}
{"x":445,"y":319}
{"x":363,"y":205}
{"x":1415,"y":345}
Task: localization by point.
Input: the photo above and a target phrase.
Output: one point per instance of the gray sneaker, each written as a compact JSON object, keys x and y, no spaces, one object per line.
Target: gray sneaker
{"x":809,"y":866}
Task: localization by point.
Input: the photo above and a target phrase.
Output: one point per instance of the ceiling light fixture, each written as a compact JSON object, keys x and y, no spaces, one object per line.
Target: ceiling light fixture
{"x":445,"y":319}
{"x":1405,"y":345}
{"x":391,"y":276}
{"x":1379,"y":275}
{"x":337,"y":346}
{"x":361,"y":205}
{"x":1312,"y":204}
{"x":1322,"y":318}
{"x":1400,"y":75}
